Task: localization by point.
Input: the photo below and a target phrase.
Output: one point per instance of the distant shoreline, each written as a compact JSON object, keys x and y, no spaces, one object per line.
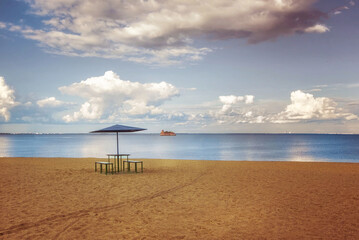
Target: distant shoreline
{"x":182,"y":133}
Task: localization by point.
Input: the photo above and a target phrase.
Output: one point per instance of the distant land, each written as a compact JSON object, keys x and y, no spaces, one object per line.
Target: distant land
{"x":36,"y":133}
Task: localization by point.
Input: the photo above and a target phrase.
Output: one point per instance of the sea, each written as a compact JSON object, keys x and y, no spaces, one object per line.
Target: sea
{"x":229,"y":147}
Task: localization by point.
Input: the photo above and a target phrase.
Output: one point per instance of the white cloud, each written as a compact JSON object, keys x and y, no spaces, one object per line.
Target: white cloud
{"x":160,"y":31}
{"x":2,"y":25}
{"x":109,"y":97}
{"x":134,"y":107}
{"x":304,"y":106}
{"x":50,"y":102}
{"x":315,"y":90}
{"x":318,"y":28}
{"x":248,"y":114}
{"x":28,"y":104}
{"x":232,"y":112}
{"x":230,"y":100}
{"x":248,"y":99}
{"x":340,"y":9}
{"x":7,"y":99}
{"x":89,"y":111}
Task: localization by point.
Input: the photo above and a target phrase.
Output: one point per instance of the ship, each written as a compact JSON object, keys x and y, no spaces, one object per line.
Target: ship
{"x":167,"y":133}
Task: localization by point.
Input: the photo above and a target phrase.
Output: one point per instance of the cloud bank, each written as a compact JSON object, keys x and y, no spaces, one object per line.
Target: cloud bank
{"x":304,"y":106}
{"x":7,"y":99}
{"x":109,"y":98}
{"x":163,"y":32}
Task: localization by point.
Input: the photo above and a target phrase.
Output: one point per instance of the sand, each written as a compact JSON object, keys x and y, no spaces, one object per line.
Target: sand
{"x":54,"y":198}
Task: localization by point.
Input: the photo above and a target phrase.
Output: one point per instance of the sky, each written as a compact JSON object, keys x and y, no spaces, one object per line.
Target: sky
{"x":221,"y":66}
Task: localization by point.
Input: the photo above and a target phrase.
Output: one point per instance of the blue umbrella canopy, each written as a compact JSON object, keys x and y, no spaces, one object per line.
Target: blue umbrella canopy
{"x":118,"y":128}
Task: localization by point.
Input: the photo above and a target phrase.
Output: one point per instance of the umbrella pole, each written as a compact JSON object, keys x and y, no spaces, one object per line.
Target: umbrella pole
{"x":117,"y":142}
{"x":118,"y":167}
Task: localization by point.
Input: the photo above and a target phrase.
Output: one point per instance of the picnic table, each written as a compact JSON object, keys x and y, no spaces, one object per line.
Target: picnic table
{"x":117,"y":160}
{"x":115,"y":163}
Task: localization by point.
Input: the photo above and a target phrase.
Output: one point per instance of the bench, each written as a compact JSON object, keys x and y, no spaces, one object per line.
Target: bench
{"x":106,"y":164}
{"x":129,"y":165}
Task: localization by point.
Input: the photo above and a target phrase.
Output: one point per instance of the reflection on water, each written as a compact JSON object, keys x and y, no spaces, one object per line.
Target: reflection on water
{"x":5,"y":146}
{"x":252,"y":147}
{"x":97,"y":146}
{"x":299,"y":151}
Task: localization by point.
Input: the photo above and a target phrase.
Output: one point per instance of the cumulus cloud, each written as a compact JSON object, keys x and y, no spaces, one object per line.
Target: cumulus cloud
{"x":34,"y":110}
{"x":318,"y":28}
{"x":49,"y":102}
{"x":304,"y":106}
{"x":7,"y":100}
{"x":160,"y":31}
{"x":230,"y":100}
{"x":109,"y":97}
{"x":234,"y":110}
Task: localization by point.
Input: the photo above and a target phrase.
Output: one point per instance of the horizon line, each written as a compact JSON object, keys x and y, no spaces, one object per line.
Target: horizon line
{"x":181,"y":133}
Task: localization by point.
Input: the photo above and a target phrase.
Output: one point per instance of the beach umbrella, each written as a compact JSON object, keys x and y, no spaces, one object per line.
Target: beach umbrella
{"x":118,"y":128}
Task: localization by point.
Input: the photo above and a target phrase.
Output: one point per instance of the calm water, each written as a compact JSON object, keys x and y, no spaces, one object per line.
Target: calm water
{"x":254,"y":147}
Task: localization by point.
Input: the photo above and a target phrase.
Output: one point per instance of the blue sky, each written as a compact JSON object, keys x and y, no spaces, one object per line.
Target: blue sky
{"x":225,"y":66}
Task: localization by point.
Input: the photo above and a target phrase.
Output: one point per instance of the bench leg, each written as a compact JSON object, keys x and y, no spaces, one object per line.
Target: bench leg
{"x":136,"y":167}
{"x":106,"y":168}
{"x":119,"y":161}
{"x":95,"y":167}
{"x":142,"y":167}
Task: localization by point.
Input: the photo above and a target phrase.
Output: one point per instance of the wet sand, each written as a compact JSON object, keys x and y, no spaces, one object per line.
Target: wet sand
{"x":54,"y":198}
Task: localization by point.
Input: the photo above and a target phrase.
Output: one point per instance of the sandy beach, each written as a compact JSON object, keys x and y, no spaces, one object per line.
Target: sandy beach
{"x":54,"y":198}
